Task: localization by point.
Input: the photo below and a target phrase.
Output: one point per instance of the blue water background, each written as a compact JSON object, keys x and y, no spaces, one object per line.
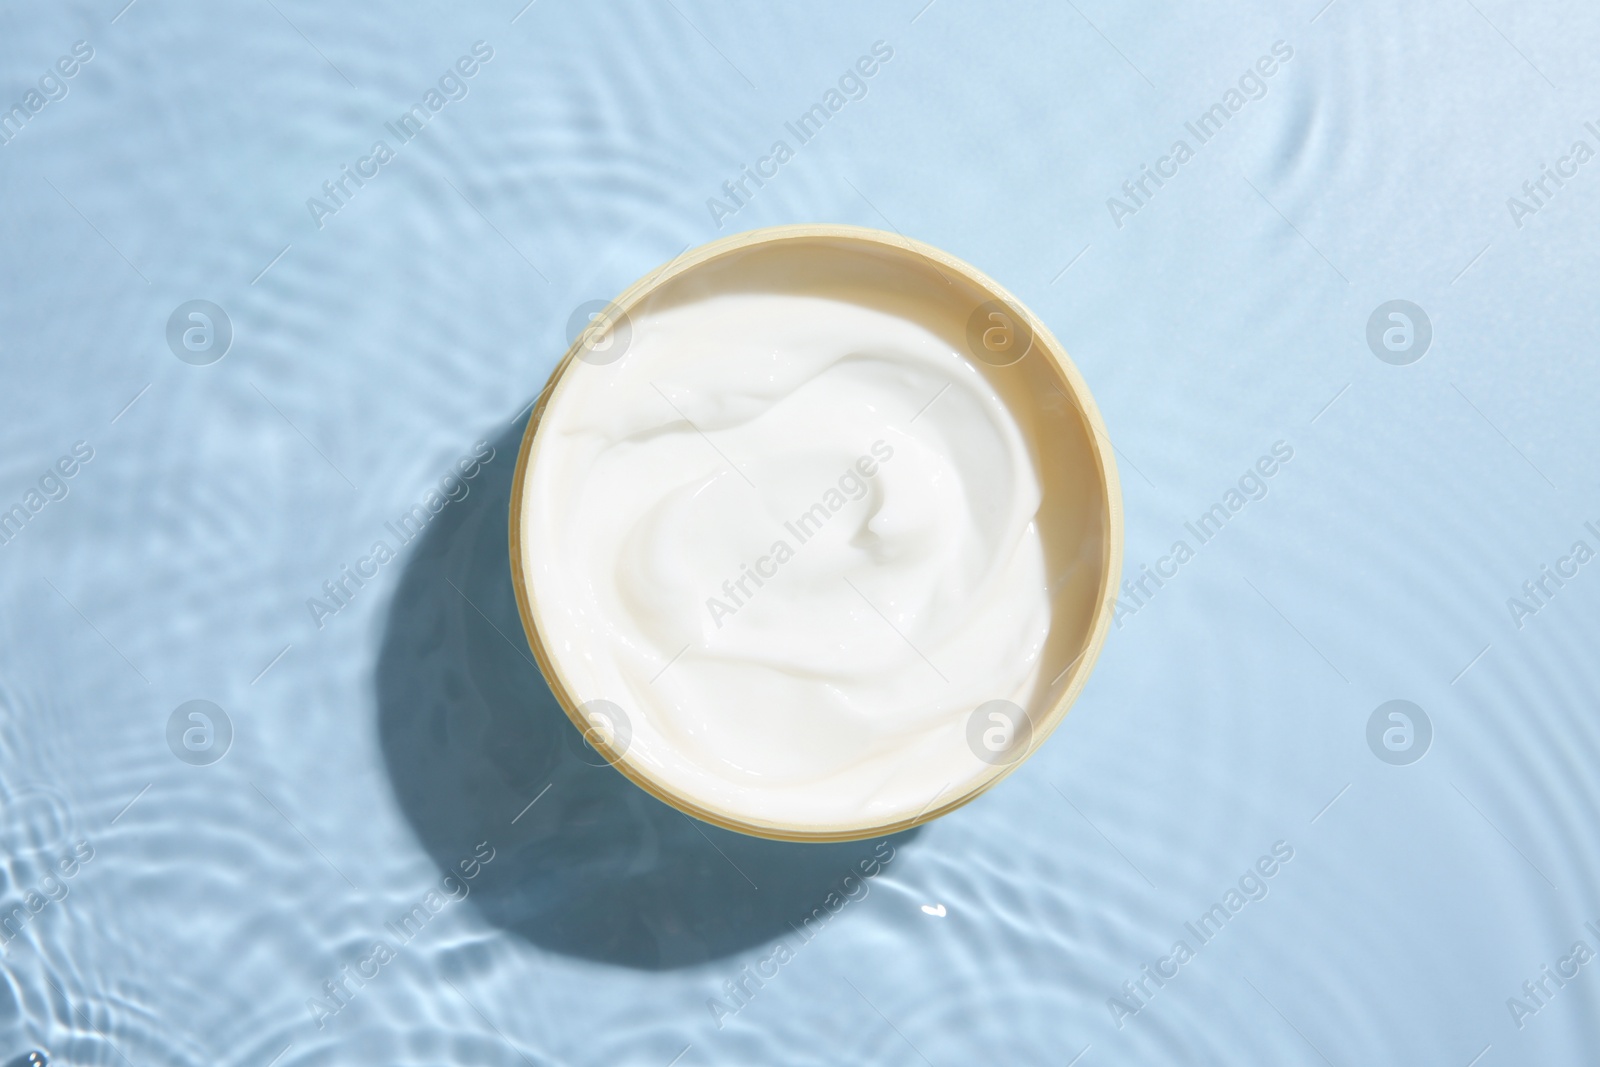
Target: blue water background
{"x":374,"y":346}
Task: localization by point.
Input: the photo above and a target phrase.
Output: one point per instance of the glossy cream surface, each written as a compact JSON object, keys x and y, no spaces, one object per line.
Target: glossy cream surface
{"x":793,"y":538}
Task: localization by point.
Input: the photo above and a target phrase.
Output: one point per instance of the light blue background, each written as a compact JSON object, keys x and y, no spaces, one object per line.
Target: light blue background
{"x":1226,"y":315}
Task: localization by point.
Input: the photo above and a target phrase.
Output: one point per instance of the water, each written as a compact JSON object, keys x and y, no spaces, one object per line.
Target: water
{"x":228,"y":894}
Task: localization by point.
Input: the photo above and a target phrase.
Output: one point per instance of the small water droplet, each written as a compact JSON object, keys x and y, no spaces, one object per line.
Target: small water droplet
{"x":30,"y":1059}
{"x":936,"y":910}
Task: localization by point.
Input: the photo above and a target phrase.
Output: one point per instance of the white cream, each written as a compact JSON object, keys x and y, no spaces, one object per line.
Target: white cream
{"x":794,"y":538}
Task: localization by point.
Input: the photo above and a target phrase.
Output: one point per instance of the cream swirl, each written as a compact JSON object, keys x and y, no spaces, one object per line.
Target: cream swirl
{"x":794,"y":537}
